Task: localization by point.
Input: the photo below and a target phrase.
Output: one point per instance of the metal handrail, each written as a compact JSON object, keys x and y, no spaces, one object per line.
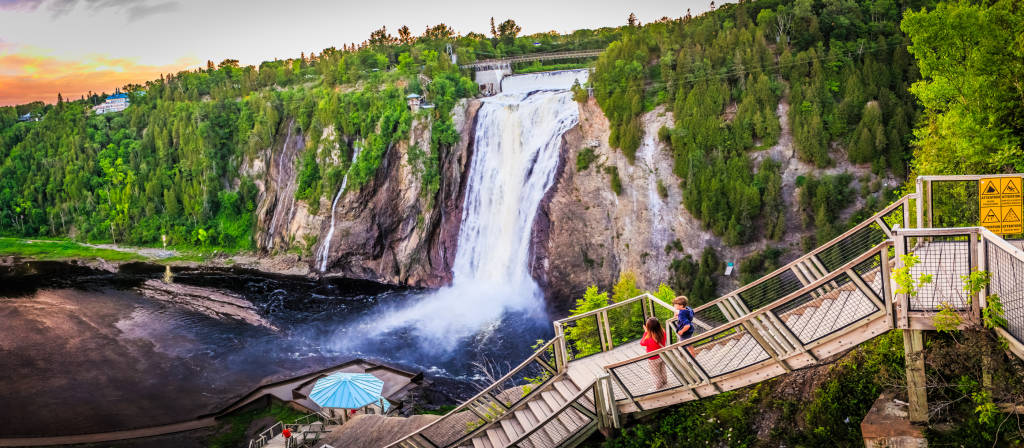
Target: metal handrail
{"x":466,"y":404}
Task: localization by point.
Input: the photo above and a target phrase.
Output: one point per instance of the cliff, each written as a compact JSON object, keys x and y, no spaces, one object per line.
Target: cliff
{"x":590,"y":234}
{"x":389,"y":230}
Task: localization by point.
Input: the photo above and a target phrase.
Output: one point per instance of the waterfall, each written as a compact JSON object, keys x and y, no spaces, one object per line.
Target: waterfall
{"x":280,"y":182}
{"x":325,"y":248}
{"x":515,"y":156}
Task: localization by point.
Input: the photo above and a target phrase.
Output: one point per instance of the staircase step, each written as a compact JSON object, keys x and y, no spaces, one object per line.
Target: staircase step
{"x":512,"y":427}
{"x":529,"y":421}
{"x":497,"y":437}
{"x":553,"y":399}
{"x":565,"y":388}
{"x":481,"y":442}
{"x":540,"y":409}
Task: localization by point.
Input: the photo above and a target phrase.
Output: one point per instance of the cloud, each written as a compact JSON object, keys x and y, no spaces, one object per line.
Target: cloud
{"x":136,"y":9}
{"x":26,"y":77}
{"x":20,"y":5}
{"x":137,"y":12}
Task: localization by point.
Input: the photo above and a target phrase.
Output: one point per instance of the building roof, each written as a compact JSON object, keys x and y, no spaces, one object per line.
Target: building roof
{"x":412,"y":95}
{"x":117,"y":96}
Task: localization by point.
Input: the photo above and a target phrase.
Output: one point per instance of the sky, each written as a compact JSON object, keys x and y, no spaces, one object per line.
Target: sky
{"x":76,"y":46}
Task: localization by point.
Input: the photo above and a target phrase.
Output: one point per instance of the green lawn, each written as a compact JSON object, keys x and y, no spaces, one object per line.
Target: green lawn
{"x":60,"y":250}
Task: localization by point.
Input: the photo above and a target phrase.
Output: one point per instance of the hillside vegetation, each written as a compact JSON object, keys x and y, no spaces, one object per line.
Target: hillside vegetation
{"x":179,"y":160}
{"x":841,"y":67}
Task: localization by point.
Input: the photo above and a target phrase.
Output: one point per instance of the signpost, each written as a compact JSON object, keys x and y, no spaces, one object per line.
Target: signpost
{"x":999,"y":205}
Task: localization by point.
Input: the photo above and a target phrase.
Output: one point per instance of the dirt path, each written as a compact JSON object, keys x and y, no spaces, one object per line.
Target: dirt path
{"x":148,"y":252}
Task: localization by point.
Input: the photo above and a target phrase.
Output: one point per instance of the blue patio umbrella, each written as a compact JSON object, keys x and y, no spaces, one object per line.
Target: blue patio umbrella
{"x":348,"y":391}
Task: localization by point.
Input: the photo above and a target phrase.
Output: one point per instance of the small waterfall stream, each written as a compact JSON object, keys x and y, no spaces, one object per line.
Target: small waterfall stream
{"x":325,"y":248}
{"x":280,"y":181}
{"x":515,"y":156}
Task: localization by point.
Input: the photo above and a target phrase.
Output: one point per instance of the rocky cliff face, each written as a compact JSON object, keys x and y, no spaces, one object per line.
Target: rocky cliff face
{"x":587,"y":234}
{"x":388,"y":231}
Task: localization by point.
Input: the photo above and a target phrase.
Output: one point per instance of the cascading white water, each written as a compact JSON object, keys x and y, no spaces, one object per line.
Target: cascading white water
{"x":280,"y":175}
{"x":515,"y":156}
{"x":325,"y":248}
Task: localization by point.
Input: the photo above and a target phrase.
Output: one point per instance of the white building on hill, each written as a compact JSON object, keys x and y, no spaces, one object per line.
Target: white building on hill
{"x":114,"y":103}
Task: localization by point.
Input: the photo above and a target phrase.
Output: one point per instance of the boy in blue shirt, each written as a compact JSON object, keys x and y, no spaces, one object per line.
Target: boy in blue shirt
{"x":684,"y":321}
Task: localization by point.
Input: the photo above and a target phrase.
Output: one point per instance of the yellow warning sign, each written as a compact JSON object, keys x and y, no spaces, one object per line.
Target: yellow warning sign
{"x":1000,"y":200}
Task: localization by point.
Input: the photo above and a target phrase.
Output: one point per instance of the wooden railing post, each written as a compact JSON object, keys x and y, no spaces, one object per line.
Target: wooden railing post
{"x":561,"y":351}
{"x":973,"y":256}
{"x":603,"y":326}
{"x":920,"y":192}
{"x":913,"y":346}
{"x":887,"y":297}
{"x":902,"y":300}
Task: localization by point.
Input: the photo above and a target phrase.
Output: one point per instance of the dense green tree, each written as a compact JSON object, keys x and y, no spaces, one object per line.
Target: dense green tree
{"x":971,"y":57}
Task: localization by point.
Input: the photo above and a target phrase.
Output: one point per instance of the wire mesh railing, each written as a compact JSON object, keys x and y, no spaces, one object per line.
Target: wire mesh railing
{"x":626,"y":322}
{"x":855,"y":244}
{"x":947,"y":259}
{"x":1006,"y":266}
{"x":727,"y":351}
{"x":826,"y":307}
{"x":583,"y":336}
{"x":831,"y":255}
{"x":503,"y":396}
{"x":954,"y":203}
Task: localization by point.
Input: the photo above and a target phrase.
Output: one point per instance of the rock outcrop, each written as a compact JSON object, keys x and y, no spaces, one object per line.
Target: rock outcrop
{"x":590,"y":234}
{"x":389,"y":230}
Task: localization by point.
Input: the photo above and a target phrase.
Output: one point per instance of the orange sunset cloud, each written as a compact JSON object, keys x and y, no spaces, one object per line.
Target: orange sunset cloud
{"x":27,"y":77}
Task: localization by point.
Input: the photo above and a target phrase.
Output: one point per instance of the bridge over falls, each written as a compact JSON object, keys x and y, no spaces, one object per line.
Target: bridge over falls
{"x":825,"y":302}
{"x":496,"y":64}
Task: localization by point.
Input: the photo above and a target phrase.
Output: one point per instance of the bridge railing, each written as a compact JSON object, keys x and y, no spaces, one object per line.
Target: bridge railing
{"x":1004,"y":262}
{"x":534,"y":57}
{"x":502,"y":397}
{"x":804,"y":270}
{"x":791,"y":325}
{"x":951,"y":200}
{"x":603,"y":329}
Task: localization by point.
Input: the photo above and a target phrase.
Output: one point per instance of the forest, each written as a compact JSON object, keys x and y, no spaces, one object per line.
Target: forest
{"x":175,"y":163}
{"x":839,"y":71}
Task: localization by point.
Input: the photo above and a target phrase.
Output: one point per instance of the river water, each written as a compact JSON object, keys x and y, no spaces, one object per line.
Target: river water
{"x":85,"y":351}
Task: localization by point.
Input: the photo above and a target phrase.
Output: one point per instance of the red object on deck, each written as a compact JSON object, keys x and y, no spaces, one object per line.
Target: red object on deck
{"x":286,"y":433}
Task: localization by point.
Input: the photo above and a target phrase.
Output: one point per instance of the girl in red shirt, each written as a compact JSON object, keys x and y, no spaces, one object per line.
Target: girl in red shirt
{"x":655,"y":338}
